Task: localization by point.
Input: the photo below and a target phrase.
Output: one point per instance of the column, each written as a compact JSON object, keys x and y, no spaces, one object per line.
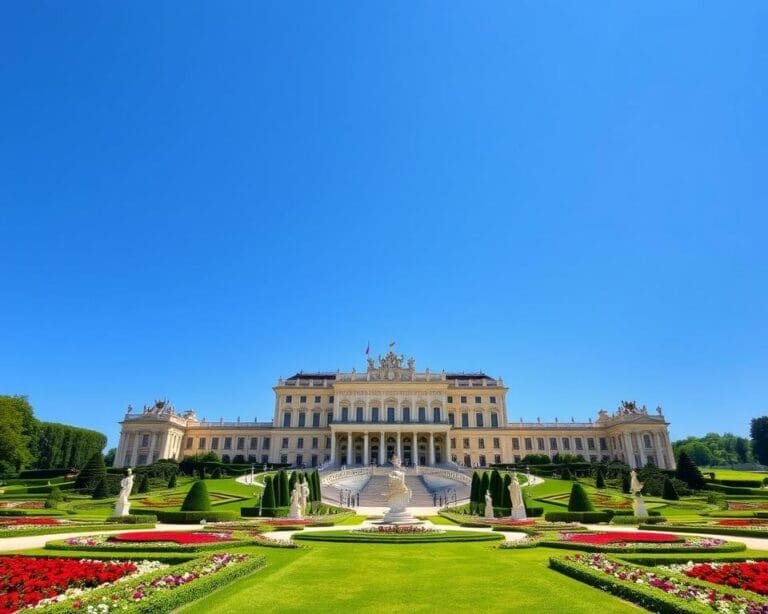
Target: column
{"x":641,"y":448}
{"x":365,"y":449}
{"x":399,"y":447}
{"x":415,"y":450}
{"x":349,"y":448}
{"x":135,"y":455}
{"x":659,"y":450}
{"x":629,"y":454}
{"x":382,"y":448}
{"x":448,"y":447}
{"x":431,"y":449}
{"x":333,"y":448}
{"x":119,"y":460}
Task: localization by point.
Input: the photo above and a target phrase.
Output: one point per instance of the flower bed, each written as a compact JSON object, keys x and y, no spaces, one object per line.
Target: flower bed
{"x":167,"y":589}
{"x":751,"y":505}
{"x":26,"y":581}
{"x":397,"y":538}
{"x":619,"y":537}
{"x":659,"y":592}
{"x":178,"y":537}
{"x":394,"y":529}
{"x":747,"y":575}
{"x":617,"y":541}
{"x":742,"y":522}
{"x":22,"y":505}
{"x":11,"y":522}
{"x":734,"y":527}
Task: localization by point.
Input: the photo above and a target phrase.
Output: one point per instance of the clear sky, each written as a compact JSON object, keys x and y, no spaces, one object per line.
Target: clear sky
{"x":199,"y":198}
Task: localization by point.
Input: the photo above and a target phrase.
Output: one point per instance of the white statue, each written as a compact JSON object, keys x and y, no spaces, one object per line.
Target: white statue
{"x":295,"y":511}
{"x":304,"y":496}
{"x":516,"y":496}
{"x":396,"y":462}
{"x":635,"y":487}
{"x":488,"y":505}
{"x":398,"y":496}
{"x":126,"y":485}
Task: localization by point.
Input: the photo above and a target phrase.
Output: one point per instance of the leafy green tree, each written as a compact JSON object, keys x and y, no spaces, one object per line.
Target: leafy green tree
{"x":670,"y":494}
{"x":109,"y":457}
{"x":579,"y":500}
{"x":741,"y":448}
{"x":54,"y":498}
{"x":91,"y":474}
{"x":268,"y":498}
{"x":688,"y":472}
{"x":535,"y":459}
{"x":506,"y":500}
{"x":758,"y":431}
{"x":495,"y":484}
{"x":18,"y":429}
{"x":197,"y":499}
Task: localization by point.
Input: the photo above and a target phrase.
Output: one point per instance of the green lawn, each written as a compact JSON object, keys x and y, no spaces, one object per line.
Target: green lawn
{"x":382,"y":577}
{"x":734,"y":474}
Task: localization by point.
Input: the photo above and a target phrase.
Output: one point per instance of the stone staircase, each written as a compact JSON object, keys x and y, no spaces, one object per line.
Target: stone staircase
{"x":373,"y":494}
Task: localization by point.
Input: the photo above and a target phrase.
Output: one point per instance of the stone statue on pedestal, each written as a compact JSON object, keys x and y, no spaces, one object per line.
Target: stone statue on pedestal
{"x":488,"y":504}
{"x":295,"y":511}
{"x":123,"y":506}
{"x":516,"y":496}
{"x":635,"y":487}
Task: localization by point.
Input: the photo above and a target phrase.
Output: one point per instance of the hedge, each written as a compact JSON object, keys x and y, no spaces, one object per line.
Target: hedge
{"x":744,"y":483}
{"x":133,"y":519}
{"x":70,"y":529}
{"x":194,"y":517}
{"x":623,"y":519}
{"x":735,"y":490}
{"x":63,"y":546}
{"x":390,"y":538}
{"x":643,"y":548}
{"x":706,"y":529}
{"x":39,"y":474}
{"x":271,"y":512}
{"x":585,"y":517}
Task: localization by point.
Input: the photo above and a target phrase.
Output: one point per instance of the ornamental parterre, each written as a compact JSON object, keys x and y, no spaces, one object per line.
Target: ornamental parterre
{"x":749,"y":575}
{"x":620,"y":537}
{"x":178,"y":537}
{"x":665,"y":582}
{"x":18,"y":522}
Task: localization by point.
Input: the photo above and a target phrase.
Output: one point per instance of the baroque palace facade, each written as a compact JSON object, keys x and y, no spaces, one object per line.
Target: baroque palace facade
{"x":363,"y":418}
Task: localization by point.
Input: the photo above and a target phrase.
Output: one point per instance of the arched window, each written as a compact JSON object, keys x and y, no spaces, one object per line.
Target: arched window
{"x":647,"y":440}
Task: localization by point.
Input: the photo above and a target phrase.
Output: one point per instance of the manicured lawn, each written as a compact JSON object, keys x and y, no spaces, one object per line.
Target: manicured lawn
{"x":394,"y":578}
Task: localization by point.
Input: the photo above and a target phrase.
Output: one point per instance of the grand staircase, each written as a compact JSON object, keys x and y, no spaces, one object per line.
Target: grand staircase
{"x":373,"y":493}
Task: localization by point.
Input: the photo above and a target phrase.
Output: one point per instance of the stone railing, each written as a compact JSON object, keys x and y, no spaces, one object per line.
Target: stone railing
{"x":445,"y":473}
{"x":345,"y":474}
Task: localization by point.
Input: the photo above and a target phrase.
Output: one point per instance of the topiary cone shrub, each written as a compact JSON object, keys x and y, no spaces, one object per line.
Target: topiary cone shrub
{"x":91,"y":474}
{"x":600,"y":479}
{"x":670,"y":492}
{"x":579,"y":500}
{"x":101,"y":492}
{"x":688,"y":472}
{"x":144,"y":483}
{"x":172,"y":481}
{"x":197,"y":499}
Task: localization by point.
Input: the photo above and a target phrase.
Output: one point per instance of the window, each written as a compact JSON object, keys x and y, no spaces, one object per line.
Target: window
{"x":647,"y":441}
{"x":422,"y":415}
{"x":528,"y":443}
{"x":265,"y":445}
{"x":553,"y":443}
{"x":497,"y":459}
{"x":482,"y":460}
{"x":359,"y":414}
{"x":515,"y":443}
{"x":330,"y":417}
{"x":145,"y":441}
{"x":317,"y":399}
{"x":253,"y":443}
{"x":189,"y":442}
{"x":390,"y":414}
{"x":241,"y":443}
{"x":591,"y":443}
{"x":330,"y":399}
{"x":492,"y":400}
{"x":453,"y":442}
{"x":435,"y":414}
{"x":465,"y":420}
{"x":579,"y":444}
{"x":288,"y":398}
{"x":314,"y":460}
{"x":406,"y":414}
{"x":494,"y":420}
{"x":287,"y":419}
{"x":481,"y":443}
{"x":449,"y":399}
{"x":300,"y":443}
{"x":299,"y":460}
{"x":302,"y":399}
{"x":463,"y":399}
{"x":265,"y":458}
{"x":540,"y":443}
{"x":285,"y":442}
{"x":214,"y":443}
{"x":374,"y":414}
{"x":227,"y":443}
{"x":284,"y":459}
{"x":466,"y":442}
{"x":479,"y":419}
{"x":496,"y":443}
{"x":451,"y":418}
{"x":201,"y":443}
{"x":566,"y":443}
{"x":327,"y":442}
{"x":603,"y":444}
{"x":314,"y":443}
{"x":478,"y":400}
{"x":316,"y":419}
{"x":345,"y":414}
{"x":302,"y":419}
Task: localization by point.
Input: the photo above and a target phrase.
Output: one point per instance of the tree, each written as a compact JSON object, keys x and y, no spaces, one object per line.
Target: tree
{"x":741,"y":448}
{"x":317,"y":486}
{"x":197,"y":499}
{"x":172,"y":481}
{"x":566,"y":473}
{"x":495,"y":484}
{"x":485,"y":486}
{"x":688,"y":472}
{"x":626,"y":483}
{"x":101,"y":491}
{"x":94,"y":470}
{"x":579,"y":500}
{"x":109,"y":457}
{"x":18,"y":429}
{"x":670,"y":494}
{"x":600,"y":479}
{"x":506,"y":500}
{"x":473,"y":490}
{"x":284,"y":496}
{"x":54,"y":498}
{"x":268,"y":498}
{"x":144,"y":483}
{"x":292,"y":481}
{"x":758,"y":431}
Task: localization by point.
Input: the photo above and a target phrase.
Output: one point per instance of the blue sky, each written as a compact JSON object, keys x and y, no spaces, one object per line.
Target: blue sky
{"x":196,"y":199}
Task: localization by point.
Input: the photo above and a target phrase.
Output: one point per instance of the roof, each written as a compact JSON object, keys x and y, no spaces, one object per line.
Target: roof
{"x":312,"y":376}
{"x":459,"y":375}
{"x":462,"y":375}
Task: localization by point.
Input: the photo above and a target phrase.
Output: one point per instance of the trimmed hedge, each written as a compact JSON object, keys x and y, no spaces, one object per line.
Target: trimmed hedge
{"x":195,"y":517}
{"x":63,"y":546}
{"x":40,"y":474}
{"x":629,"y":519}
{"x":585,"y":517}
{"x":133,"y":519}
{"x":705,"y":529}
{"x":642,"y":548}
{"x":390,"y":538}
{"x":735,"y":490}
{"x":743,"y":483}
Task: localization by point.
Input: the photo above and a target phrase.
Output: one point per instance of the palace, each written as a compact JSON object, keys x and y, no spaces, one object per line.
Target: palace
{"x":364,"y":418}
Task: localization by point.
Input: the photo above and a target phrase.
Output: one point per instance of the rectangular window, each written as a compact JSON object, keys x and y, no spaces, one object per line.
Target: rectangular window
{"x":451,"y":418}
{"x":553,"y":443}
{"x":302,"y":399}
{"x":435,"y":414}
{"x":492,"y":400}
{"x":227,"y":443}
{"x":286,"y":420}
{"x":189,"y":442}
{"x":466,"y":442}
{"x":579,"y":444}
{"x":285,"y":442}
{"x":241,"y":443}
{"x":314,"y":460}
{"x":482,"y":460}
{"x":265,"y":444}
{"x":453,"y":442}
{"x":495,"y":420}
{"x":406,"y":414}
{"x":422,"y":415}
{"x":214,"y":443}
{"x":497,"y":459}
{"x":515,"y":443}
{"x":374,"y":414}
{"x":390,"y":414}
{"x":345,"y":414}
{"x":288,"y":398}
{"x":302,"y":419}
{"x":316,"y":419}
{"x":253,"y":443}
{"x":590,"y":443}
{"x":145,"y":441}
{"x":449,"y":399}
{"x":317,"y":399}
{"x":201,"y":443}
{"x":299,"y":460}
{"x":465,"y":420}
{"x":496,"y":443}
{"x":517,"y":458}
{"x":603,"y":444}
{"x":566,"y":443}
{"x":463,"y":399}
{"x":540,"y":443}
{"x":481,"y":443}
{"x":327,"y":442}
{"x":314,"y":443}
{"x":284,"y":459}
{"x":330,"y":417}
{"x":479,"y":420}
{"x":330,"y":399}
{"x":528,"y":443}
{"x":300,"y":443}
{"x":478,"y":400}
{"x":359,"y":414}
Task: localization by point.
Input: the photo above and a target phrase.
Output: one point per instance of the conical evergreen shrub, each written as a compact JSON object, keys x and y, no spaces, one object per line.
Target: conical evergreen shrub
{"x":670,"y":492}
{"x":144,"y":483}
{"x":579,"y":500}
{"x":495,"y":485}
{"x":285,"y":492}
{"x":600,"y":479}
{"x":688,"y":472}
{"x":92,"y":473}
{"x":172,"y":481}
{"x":485,"y":486}
{"x":268,"y":498}
{"x":626,"y":483}
{"x":197,"y":499}
{"x":473,"y":489}
{"x":506,"y":500}
{"x":318,"y":487}
{"x":100,"y":491}
{"x":292,"y":481}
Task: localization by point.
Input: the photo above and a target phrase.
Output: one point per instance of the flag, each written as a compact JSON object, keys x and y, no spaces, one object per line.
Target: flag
{"x":368,"y":348}
{"x":391,"y":344}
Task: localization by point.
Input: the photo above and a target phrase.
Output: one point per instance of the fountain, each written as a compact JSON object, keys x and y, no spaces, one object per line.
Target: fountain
{"x":398,"y":496}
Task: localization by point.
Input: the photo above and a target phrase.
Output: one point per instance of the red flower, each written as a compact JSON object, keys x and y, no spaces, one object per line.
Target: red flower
{"x":180,"y":537}
{"x":621,"y":537}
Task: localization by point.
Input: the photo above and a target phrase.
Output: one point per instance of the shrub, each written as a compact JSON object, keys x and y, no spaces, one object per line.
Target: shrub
{"x":268,"y":498}
{"x":216,"y":473}
{"x":195,"y":517}
{"x":54,"y":498}
{"x":144,"y":483}
{"x":534,"y":512}
{"x":172,"y":481}
{"x":600,"y":479}
{"x":626,"y":483}
{"x":688,"y":472}
{"x":92,"y":473}
{"x":585,"y":517}
{"x":566,"y":474}
{"x":579,"y":500}
{"x":100,"y":491}
{"x":132,"y":519}
{"x":670,"y":494}
{"x":197,"y":499}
